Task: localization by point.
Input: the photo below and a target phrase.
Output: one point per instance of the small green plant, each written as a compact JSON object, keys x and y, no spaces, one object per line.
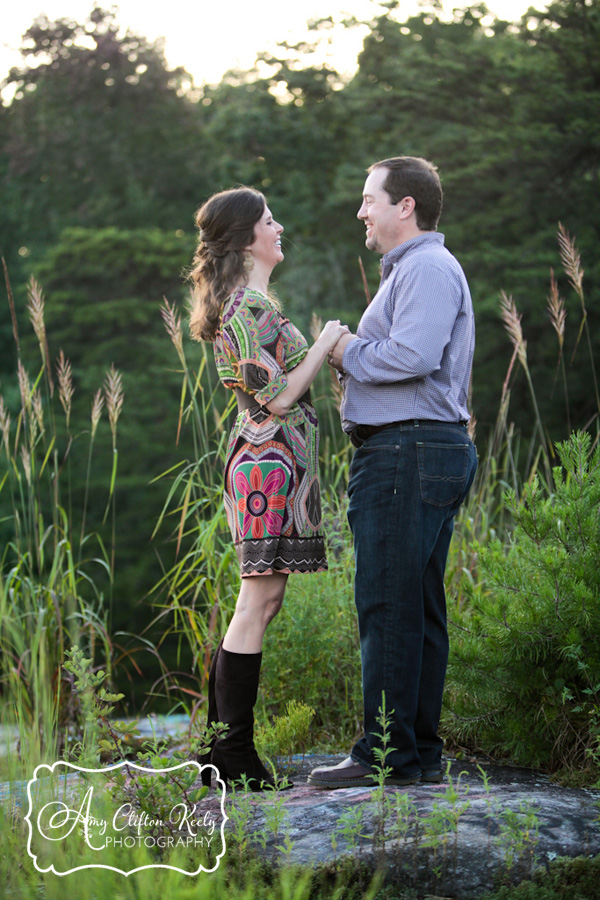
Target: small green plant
{"x":514,"y":832}
{"x":277,"y":825}
{"x":241,"y":812}
{"x":381,"y":751}
{"x":257,"y":820}
{"x":98,"y":734}
{"x":517,"y":838}
{"x":447,"y":811}
{"x":403,"y":823}
{"x":348,"y":828}
{"x":152,"y":797}
{"x":286,"y":735}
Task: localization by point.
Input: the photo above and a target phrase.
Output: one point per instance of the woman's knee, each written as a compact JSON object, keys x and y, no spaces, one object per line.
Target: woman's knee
{"x":262,"y":598}
{"x":273,"y":608}
{"x":271,"y":605}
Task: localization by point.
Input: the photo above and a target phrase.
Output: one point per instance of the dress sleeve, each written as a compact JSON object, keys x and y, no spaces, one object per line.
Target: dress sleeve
{"x":254,"y":353}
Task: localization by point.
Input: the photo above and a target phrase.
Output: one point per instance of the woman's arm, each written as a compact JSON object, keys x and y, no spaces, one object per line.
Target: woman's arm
{"x":300,"y":378}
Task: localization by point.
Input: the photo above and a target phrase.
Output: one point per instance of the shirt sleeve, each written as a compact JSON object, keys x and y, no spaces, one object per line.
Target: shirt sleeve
{"x":252,"y":342}
{"x":425,"y":304}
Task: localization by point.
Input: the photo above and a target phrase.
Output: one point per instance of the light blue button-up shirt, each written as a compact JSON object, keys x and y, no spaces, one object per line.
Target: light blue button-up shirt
{"x":413,"y":353}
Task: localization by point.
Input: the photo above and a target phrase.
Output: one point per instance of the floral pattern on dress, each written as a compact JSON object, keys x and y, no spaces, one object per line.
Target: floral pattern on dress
{"x":272,"y":496}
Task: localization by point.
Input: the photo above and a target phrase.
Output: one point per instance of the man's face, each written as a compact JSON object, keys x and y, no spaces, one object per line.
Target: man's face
{"x":381,"y":217}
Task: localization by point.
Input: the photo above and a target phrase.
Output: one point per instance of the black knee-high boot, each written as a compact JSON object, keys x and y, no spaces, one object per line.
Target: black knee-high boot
{"x":236,"y":690}
{"x":212,"y":715}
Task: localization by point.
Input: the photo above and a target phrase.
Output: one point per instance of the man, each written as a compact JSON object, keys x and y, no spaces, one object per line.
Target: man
{"x":406,"y":379}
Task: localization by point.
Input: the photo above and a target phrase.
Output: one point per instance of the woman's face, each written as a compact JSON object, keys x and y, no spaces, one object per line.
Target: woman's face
{"x":266,"y":247}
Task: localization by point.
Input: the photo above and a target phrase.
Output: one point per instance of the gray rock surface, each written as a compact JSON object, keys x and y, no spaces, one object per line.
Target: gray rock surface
{"x":485,"y":824}
{"x":456,"y":839}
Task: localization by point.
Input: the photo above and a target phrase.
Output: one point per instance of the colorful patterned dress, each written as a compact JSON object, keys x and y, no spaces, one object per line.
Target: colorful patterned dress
{"x":272,"y":496}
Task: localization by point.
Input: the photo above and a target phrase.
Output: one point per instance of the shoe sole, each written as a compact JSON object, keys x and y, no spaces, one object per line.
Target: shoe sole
{"x":359,"y":782}
{"x":432,"y":778}
{"x":340,"y":783}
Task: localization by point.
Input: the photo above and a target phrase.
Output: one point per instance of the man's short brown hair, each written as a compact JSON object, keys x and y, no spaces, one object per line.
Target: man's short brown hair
{"x":413,"y":176}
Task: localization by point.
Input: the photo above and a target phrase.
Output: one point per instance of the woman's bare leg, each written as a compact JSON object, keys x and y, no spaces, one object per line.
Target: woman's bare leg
{"x":259,"y":601}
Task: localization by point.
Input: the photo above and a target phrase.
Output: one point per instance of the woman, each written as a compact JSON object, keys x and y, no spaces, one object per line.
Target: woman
{"x":271,"y":494}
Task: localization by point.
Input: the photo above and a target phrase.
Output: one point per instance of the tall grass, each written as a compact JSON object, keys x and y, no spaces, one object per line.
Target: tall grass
{"x":48,"y":574}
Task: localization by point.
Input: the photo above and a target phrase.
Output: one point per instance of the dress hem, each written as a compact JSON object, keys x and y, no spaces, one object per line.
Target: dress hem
{"x":323,"y":568}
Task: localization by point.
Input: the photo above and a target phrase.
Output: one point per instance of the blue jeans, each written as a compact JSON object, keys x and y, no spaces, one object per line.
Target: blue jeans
{"x":406,"y":485}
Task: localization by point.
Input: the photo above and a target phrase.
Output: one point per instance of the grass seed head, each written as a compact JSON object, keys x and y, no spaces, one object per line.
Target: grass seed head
{"x":570,"y":259}
{"x":512,"y":323}
{"x":113,"y":392}
{"x":24,"y":387}
{"x":65,"y":384}
{"x":556,"y":310}
{"x":4,"y":422}
{"x":173,"y":326}
{"x":35,"y":308}
{"x":97,"y":406}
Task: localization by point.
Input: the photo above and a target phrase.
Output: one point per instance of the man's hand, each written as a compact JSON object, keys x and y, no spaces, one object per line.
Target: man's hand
{"x":336,"y":356}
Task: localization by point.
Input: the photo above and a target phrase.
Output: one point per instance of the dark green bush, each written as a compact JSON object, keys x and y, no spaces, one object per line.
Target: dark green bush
{"x":566,"y":879}
{"x":524,"y":679}
{"x":312,"y":648}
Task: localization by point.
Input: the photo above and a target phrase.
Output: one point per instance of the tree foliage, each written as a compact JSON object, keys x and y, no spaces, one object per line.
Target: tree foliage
{"x":105,"y":153}
{"x":98,"y":133}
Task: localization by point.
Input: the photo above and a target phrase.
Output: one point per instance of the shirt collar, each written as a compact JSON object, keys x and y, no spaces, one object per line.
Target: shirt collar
{"x":394,"y":256}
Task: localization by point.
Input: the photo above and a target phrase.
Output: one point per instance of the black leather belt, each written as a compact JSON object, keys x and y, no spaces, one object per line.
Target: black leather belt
{"x":360,"y":433}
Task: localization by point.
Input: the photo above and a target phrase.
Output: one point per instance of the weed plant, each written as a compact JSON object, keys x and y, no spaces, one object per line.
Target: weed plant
{"x":423,"y":847}
{"x":286,"y":735}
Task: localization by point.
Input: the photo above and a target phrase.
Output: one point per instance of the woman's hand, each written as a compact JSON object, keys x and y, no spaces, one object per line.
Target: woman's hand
{"x":302,"y":376}
{"x":331,"y":333}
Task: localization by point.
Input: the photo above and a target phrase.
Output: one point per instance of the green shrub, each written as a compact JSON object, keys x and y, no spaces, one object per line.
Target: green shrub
{"x":312,"y":648}
{"x":286,"y":735}
{"x":525,"y":675}
{"x":565,"y":879}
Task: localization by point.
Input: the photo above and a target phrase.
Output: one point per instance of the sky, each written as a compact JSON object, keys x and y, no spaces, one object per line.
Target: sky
{"x":209,"y":37}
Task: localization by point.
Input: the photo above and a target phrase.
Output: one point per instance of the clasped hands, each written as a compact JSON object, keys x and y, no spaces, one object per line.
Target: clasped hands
{"x":337,"y":337}
{"x":335,"y":356}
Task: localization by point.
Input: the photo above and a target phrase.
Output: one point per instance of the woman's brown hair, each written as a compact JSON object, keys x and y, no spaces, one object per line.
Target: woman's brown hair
{"x":226,"y":227}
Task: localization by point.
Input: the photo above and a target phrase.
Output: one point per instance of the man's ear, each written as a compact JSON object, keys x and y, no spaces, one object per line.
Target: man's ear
{"x":406,"y":207}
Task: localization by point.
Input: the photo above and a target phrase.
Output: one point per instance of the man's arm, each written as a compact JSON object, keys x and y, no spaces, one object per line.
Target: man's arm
{"x":426,"y":304}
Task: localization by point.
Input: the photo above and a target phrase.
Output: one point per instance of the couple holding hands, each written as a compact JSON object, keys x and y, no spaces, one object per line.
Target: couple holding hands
{"x":405,"y":376}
